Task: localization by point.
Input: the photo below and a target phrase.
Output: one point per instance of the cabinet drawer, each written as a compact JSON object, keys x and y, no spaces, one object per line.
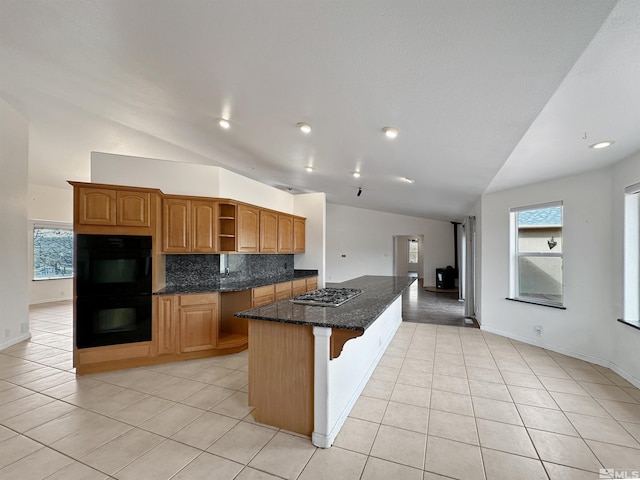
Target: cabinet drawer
{"x":298,"y":286}
{"x":198,"y":299}
{"x":312,"y":284}
{"x":263,"y":291}
{"x":283,"y":290}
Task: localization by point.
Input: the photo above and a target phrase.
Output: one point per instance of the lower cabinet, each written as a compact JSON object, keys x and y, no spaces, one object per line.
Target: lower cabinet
{"x":298,"y":287}
{"x":165,"y":307}
{"x":263,"y":295}
{"x":198,"y":322}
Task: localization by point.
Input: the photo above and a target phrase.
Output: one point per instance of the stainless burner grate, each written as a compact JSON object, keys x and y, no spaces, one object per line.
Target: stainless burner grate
{"x":327,"y":297}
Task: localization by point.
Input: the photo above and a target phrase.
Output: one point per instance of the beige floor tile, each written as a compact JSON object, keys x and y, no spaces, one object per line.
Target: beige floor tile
{"x":242,"y":442}
{"x":588,"y":375}
{"x":415,"y":365}
{"x":5,"y":433}
{"x":632,"y":428}
{"x":252,"y":474}
{"x":560,"y":472}
{"x":118,"y":401}
{"x":532,"y":396}
{"x":521,"y":380}
{"x":119,"y":452}
{"x":450,"y":370}
{"x":607,"y":392}
{"x":39,"y":465}
{"x":77,"y":471}
{"x":409,"y":417}
{"x":208,"y":397}
{"x":411,"y":395}
{"x":334,"y":463}
{"x":388,"y":374}
{"x":562,"y":385}
{"x":489,"y":409}
{"x":357,"y":435}
{"x":207,"y":466}
{"x":554,"y":371}
{"x":143,"y":410}
{"x":602,"y":430}
{"x":171,"y":420}
{"x":400,"y":446}
{"x":14,"y":393}
{"x":506,"y":466}
{"x":61,"y":426}
{"x":616,"y":456}
{"x":491,"y":375}
{"x":204,"y":430}
{"x":234,"y":381}
{"x":139,"y":379}
{"x":50,"y":381}
{"x":417,"y":379}
{"x":22,"y":405}
{"x":632,"y":392}
{"x":456,"y":427}
{"x":378,"y":469}
{"x":180,"y":390}
{"x":451,"y":384}
{"x":564,"y":450}
{"x":39,"y":416}
{"x":159,"y":463}
{"x":453,"y":459}
{"x":495,"y":391}
{"x":505,"y":437}
{"x":378,"y":389}
{"x":285,"y":455}
{"x":73,"y":387}
{"x":368,"y":408}
{"x":579,"y":404}
{"x":236,"y":406}
{"x":15,"y":448}
{"x":391,"y":361}
{"x":451,"y":402}
{"x":622,"y":411}
{"x":84,"y":440}
{"x":546,"y":419}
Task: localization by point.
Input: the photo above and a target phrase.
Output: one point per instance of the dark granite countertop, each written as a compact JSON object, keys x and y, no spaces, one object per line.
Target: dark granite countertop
{"x":359,"y":313}
{"x":233,"y":285}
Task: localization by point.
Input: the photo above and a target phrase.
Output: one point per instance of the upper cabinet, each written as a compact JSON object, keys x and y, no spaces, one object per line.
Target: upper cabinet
{"x":227,"y":214}
{"x":285,"y":233}
{"x":299,"y":234}
{"x":188,"y":226}
{"x":248,"y":229}
{"x":103,"y":206}
{"x":268,"y":231}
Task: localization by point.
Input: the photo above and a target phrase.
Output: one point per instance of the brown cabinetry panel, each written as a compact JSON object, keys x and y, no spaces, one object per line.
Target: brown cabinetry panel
{"x":299,"y":234}
{"x":176,"y":225}
{"x":203,"y":219}
{"x":248,"y":229}
{"x":283,"y":290}
{"x":268,"y":232}
{"x":198,"y":323}
{"x":227,"y":227}
{"x":133,"y":208}
{"x":96,"y":206}
{"x":263,"y":295}
{"x":312,"y":284}
{"x":167,"y":324}
{"x":285,"y":233}
{"x":298,"y":287}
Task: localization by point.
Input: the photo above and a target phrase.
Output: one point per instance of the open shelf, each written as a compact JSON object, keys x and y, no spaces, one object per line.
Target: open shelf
{"x":230,"y":340}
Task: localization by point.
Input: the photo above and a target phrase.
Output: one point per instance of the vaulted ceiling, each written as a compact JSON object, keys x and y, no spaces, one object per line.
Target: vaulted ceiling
{"x":486,"y":95}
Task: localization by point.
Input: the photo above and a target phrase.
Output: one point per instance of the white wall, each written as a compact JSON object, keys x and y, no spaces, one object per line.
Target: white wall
{"x":584,"y":329}
{"x":49,"y":205}
{"x":365,"y":237}
{"x":625,"y":353}
{"x":313,"y":206}
{"x":250,"y":191}
{"x":14,"y":162}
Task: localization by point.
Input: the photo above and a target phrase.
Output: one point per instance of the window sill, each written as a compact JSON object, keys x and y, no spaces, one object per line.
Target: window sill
{"x":631,"y":323}
{"x":533,"y":302}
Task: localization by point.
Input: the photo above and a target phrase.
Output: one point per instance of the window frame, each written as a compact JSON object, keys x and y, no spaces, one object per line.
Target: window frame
{"x":51,"y":225}
{"x":631,"y":263}
{"x":515,"y":255}
{"x":411,"y":242}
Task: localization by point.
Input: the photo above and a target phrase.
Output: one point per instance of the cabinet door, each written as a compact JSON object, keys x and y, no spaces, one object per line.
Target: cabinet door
{"x":312,"y":284}
{"x":263,"y":295}
{"x":167,"y":324}
{"x":298,"y":287}
{"x":283,"y":290}
{"x":203,"y":235}
{"x":96,"y":206}
{"x":176,"y":223}
{"x":299,"y":234}
{"x":248,"y":225}
{"x":285,"y":233}
{"x":198,"y":328}
{"x":133,"y":209}
{"x":268,"y":232}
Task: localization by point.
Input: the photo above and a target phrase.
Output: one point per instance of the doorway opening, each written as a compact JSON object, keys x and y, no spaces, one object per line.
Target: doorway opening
{"x":408,"y":255}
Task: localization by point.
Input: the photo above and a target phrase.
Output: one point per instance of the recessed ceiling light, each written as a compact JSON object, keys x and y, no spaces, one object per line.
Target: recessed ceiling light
{"x":224,"y":123}
{"x":390,"y":132}
{"x":304,"y":127}
{"x":604,"y":144}
{"x":309,"y":168}
{"x":356,"y":174}
{"x":408,"y":180}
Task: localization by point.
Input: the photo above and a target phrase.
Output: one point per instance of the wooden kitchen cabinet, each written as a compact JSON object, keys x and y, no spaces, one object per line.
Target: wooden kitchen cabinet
{"x":227,"y":227}
{"x":285,"y":233}
{"x":263,"y":295}
{"x":166,"y":324}
{"x":103,"y":206}
{"x":299,"y":234}
{"x":268,"y":231}
{"x":198,"y":322}
{"x":311,"y":283}
{"x":298,"y":287}
{"x":188,"y":226}
{"x":283,"y":290}
{"x":248,"y":229}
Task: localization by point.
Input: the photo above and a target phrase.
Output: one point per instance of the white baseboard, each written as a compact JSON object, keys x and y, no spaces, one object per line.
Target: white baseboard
{"x":50,"y":300}
{"x":13,"y":341}
{"x":568,"y":352}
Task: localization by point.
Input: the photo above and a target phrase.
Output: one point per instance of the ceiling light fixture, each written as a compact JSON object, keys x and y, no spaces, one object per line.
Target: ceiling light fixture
{"x":224,"y":123}
{"x":359,"y":192}
{"x":390,"y":132}
{"x":356,"y":174}
{"x":605,"y":144}
{"x":408,"y":180}
{"x":304,"y":127}
{"x":309,"y":168}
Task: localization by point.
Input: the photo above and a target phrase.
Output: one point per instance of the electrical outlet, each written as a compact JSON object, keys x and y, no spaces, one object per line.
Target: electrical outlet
{"x":538,"y":329}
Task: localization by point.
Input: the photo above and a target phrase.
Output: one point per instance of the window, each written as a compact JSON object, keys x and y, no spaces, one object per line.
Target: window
{"x":536,"y":266}
{"x":413,"y":250}
{"x":632,"y":254}
{"x":52,"y":252}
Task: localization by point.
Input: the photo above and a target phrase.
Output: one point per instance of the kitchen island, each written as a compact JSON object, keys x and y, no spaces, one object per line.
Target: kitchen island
{"x":308,"y":364}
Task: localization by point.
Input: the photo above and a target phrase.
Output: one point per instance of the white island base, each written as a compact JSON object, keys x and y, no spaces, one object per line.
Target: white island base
{"x":306,"y":379}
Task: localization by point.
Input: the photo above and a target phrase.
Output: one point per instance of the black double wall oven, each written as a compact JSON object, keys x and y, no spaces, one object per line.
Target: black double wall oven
{"x":113,"y":289}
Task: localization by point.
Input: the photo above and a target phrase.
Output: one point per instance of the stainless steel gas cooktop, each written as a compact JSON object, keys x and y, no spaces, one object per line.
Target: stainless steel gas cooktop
{"x":327,"y":297}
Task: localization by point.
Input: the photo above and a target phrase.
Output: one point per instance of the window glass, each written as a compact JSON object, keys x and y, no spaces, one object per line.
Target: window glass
{"x":413,"y":251}
{"x":538,"y":254}
{"x":52,"y":252}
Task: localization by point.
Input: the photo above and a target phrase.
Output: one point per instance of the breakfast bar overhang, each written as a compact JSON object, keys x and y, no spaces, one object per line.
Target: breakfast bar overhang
{"x":308,"y":364}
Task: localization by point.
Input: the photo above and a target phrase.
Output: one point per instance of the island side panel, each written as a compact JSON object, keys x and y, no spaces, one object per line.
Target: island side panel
{"x":281,"y":369}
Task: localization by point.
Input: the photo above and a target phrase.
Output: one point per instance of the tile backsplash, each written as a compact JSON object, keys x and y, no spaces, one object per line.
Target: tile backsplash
{"x":206,"y":270}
